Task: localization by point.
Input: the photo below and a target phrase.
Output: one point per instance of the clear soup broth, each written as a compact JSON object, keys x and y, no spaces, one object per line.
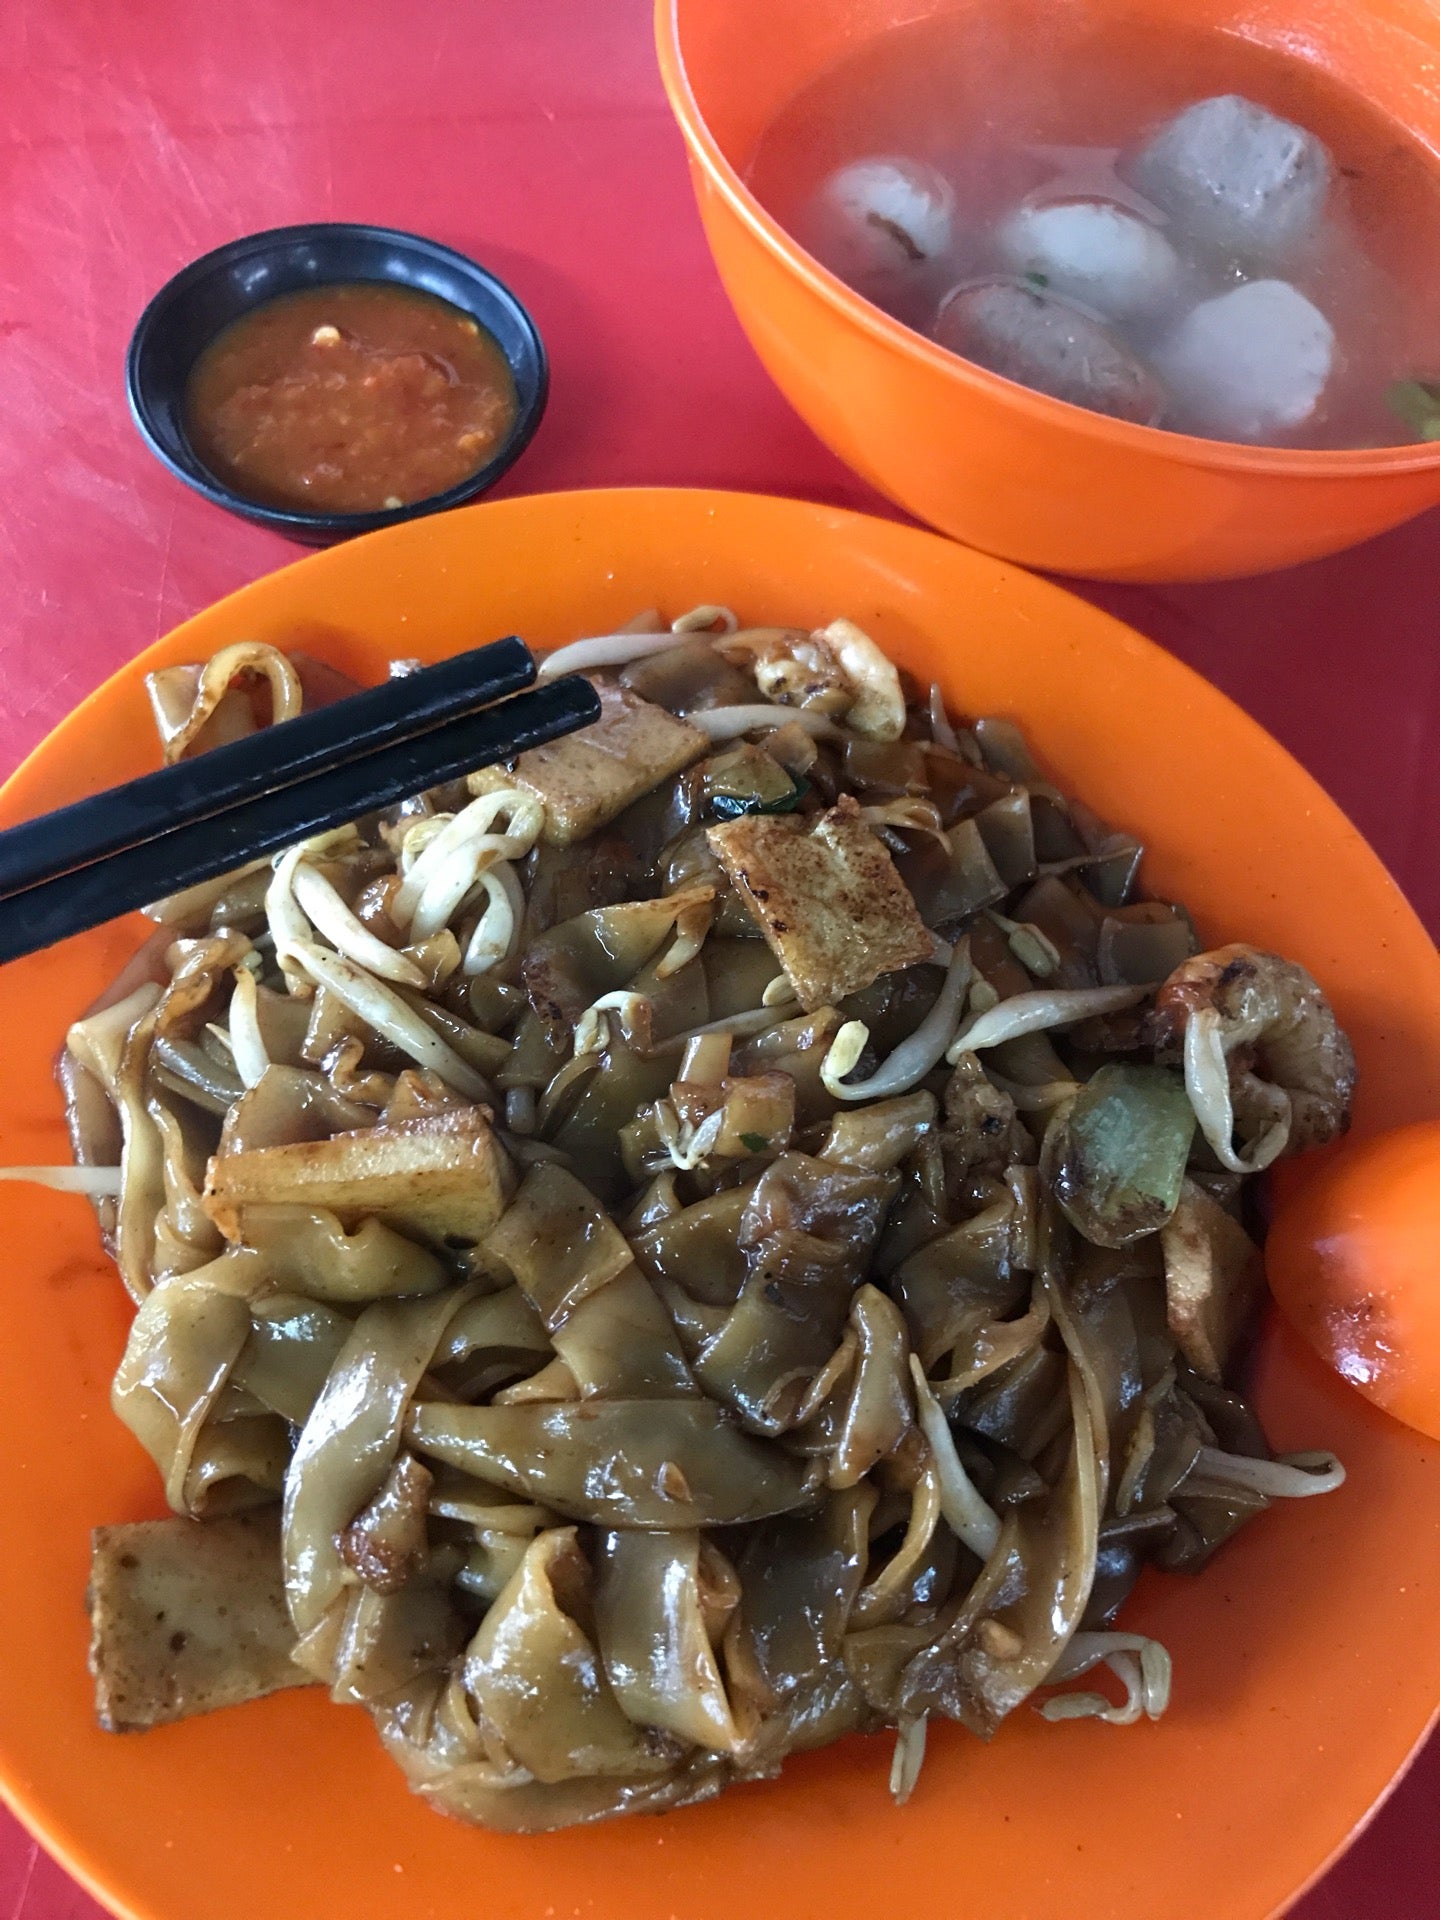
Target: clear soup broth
{"x":1280,"y":286}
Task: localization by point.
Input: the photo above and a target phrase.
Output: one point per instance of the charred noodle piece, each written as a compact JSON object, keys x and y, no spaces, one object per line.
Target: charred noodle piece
{"x":538,"y":1682}
{"x":183,"y":1345}
{"x":801,"y":1575}
{"x":584,"y":781}
{"x":387,"y":1542}
{"x":1214,"y":1281}
{"x":781,"y":1331}
{"x":445,"y":1178}
{"x":981,"y":1674}
{"x":349,"y":1445}
{"x":654,"y":1464}
{"x":622,"y":1344}
{"x":186,"y":1617}
{"x":661,"y":1602}
{"x":829,"y":902}
{"x":436,"y":1745}
{"x":558,"y":1243}
{"x":570,"y":967}
{"x":307,"y":1250}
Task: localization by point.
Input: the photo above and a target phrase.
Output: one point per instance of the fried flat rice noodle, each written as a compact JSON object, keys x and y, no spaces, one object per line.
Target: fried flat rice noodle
{"x":594,"y":1318}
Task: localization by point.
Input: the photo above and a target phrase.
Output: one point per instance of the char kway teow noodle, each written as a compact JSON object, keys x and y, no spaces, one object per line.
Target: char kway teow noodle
{"x":732,"y":1230}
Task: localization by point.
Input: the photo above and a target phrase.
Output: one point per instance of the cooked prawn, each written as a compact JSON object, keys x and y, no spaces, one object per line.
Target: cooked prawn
{"x":1262,"y":1050}
{"x":834,"y":670}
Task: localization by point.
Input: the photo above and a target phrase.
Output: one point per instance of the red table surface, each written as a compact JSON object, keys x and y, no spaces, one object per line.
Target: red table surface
{"x":534,"y":135}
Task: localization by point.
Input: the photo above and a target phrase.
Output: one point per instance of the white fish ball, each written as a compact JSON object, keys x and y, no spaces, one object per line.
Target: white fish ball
{"x":1093,"y":250}
{"x":1249,"y":364}
{"x":881,"y":216}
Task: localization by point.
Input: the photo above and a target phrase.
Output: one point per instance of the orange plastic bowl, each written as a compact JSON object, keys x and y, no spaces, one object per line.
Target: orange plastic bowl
{"x":994,"y":464}
{"x":1307,"y":1665}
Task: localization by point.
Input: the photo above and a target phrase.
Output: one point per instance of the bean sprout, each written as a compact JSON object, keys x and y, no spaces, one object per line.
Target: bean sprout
{"x":1207,"y":1081}
{"x":969,"y":1516}
{"x":495,"y":930}
{"x":592,"y":1030}
{"x":687,"y":1145}
{"x":705,"y":619}
{"x":982,"y":995}
{"x":910,"y":814}
{"x":605,"y":650}
{"x":323,"y":906}
{"x":1142,"y":1666}
{"x":692,"y":924}
{"x":1294,"y":1476}
{"x":908,"y":1759}
{"x":915,"y":1055}
{"x":96,"y":1182}
{"x":247,"y":1043}
{"x":1037,"y":1012}
{"x":449,"y":864}
{"x":728,"y":723}
{"x":289,"y":928}
{"x":388,"y":1014}
{"x":1032,"y":947}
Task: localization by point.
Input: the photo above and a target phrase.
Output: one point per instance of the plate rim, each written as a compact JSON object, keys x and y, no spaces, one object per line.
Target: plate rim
{"x":33,"y":1815}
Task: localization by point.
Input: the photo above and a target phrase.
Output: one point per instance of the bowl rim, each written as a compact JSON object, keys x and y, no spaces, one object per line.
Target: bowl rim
{"x":293,"y":520}
{"x":1310,"y":463}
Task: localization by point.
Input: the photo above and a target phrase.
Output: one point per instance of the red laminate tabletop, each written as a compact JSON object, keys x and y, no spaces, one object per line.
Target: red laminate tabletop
{"x":532,"y":134}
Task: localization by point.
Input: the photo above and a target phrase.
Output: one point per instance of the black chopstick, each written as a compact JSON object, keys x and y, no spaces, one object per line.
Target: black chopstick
{"x":204,"y":848}
{"x":214,"y":782}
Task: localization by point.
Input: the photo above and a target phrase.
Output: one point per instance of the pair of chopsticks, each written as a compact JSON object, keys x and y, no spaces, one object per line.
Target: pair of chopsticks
{"x":201,"y":818}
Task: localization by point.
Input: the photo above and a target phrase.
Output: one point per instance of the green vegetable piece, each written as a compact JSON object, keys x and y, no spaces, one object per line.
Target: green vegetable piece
{"x":729,"y":806}
{"x":746,"y":779}
{"x":754,"y":1142}
{"x":1120,"y":1157}
{"x":1417,"y":402}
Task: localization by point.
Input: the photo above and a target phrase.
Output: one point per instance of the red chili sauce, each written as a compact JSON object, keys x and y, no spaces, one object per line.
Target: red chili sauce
{"x":349,"y":398}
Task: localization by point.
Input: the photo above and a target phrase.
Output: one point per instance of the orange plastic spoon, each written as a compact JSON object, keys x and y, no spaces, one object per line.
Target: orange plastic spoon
{"x":1353,"y":1260}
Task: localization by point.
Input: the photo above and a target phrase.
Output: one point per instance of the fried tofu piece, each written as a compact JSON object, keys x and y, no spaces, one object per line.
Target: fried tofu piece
{"x":835,"y":912}
{"x":444,"y":1178}
{"x":584,"y":780}
{"x":187,"y":1616}
{"x":1213,"y":1280}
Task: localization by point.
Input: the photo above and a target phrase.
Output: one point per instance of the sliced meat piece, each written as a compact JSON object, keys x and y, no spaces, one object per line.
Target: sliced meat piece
{"x":186,"y":1616}
{"x":835,"y":912}
{"x":1213,"y":1280}
{"x":585,"y":780}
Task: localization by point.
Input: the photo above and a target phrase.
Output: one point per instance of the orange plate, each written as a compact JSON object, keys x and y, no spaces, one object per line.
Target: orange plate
{"x":1307,"y":1665}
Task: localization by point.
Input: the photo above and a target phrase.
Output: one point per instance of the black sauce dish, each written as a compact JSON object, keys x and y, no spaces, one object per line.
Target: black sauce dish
{"x":188,"y":312}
